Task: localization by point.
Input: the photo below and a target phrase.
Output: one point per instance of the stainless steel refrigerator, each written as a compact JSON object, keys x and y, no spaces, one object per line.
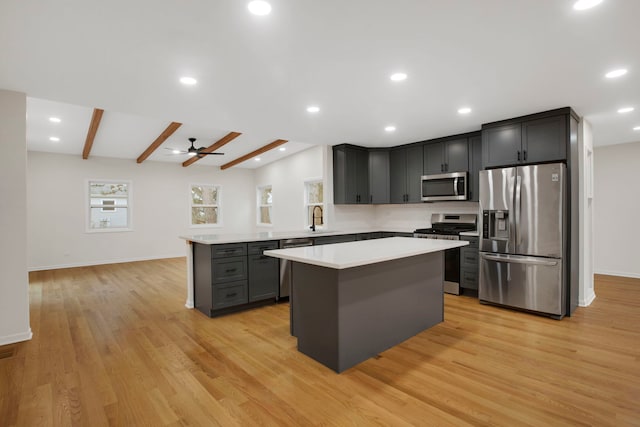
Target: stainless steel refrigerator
{"x":523,"y":238}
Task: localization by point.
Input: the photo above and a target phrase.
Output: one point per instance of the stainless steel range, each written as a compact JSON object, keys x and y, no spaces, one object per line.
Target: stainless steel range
{"x":449,"y":227}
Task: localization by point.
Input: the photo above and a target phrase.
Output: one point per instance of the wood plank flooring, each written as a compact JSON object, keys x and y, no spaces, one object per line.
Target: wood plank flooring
{"x":114,"y":345}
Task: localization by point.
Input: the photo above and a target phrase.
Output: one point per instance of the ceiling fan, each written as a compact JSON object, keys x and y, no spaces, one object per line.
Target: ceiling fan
{"x":193,"y":151}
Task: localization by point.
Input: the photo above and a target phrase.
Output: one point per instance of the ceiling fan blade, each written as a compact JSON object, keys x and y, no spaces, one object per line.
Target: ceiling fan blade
{"x":209,"y":154}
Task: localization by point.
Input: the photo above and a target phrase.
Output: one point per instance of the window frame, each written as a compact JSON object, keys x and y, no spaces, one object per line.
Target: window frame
{"x":191,"y":206}
{"x":307,"y":218}
{"x":101,"y":206}
{"x":260,"y":205}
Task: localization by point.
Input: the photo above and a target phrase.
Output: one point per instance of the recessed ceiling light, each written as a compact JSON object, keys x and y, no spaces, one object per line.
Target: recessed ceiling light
{"x":397,"y":77}
{"x":282,"y":148}
{"x":189,"y":81}
{"x":54,"y":139}
{"x":616,"y":73}
{"x":586,"y":4}
{"x":313,"y":109}
{"x":625,"y":110}
{"x":390,"y":128}
{"x":464,"y":110}
{"x":257,"y":159}
{"x":636,"y":128}
{"x":259,"y":7}
{"x":54,"y":120}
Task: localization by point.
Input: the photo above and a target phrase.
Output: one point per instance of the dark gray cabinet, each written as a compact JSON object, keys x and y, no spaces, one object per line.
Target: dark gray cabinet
{"x":378,"y":176}
{"x":446,"y":156}
{"x":264,"y":271}
{"x":350,"y":174}
{"x":475,"y":166}
{"x":405,"y":172}
{"x":229,"y":276}
{"x":469,"y":263}
{"x":537,"y":140}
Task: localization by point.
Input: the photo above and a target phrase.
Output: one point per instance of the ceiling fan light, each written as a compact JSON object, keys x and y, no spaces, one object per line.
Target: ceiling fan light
{"x":192,"y":153}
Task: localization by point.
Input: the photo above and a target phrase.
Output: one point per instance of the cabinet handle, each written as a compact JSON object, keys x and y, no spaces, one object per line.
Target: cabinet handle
{"x":230,"y":270}
{"x":518,"y":155}
{"x":525,"y":154}
{"x":370,"y":198}
{"x":233,"y":294}
{"x":441,"y":167}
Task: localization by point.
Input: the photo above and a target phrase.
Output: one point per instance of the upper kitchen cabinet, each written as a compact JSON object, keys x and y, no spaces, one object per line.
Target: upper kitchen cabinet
{"x":378,"y":176}
{"x":350,"y":174}
{"x":475,"y":166}
{"x":537,"y":138}
{"x":405,"y":172}
{"x":446,"y":156}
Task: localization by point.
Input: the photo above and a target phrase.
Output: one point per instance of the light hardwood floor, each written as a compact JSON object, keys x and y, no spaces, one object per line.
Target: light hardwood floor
{"x":114,"y":345}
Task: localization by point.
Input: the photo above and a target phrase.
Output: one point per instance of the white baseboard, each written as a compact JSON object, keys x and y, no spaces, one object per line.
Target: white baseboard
{"x":618,"y":273}
{"x":103,"y":262}
{"x":587,"y":300}
{"x":10,"y":339}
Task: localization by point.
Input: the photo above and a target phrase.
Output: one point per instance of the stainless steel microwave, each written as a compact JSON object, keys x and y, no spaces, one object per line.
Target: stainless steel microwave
{"x":444,"y":186}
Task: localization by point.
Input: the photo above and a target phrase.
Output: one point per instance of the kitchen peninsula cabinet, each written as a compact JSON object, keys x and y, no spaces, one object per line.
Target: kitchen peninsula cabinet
{"x":537,"y":138}
{"x":405,"y":170}
{"x":227,"y":277}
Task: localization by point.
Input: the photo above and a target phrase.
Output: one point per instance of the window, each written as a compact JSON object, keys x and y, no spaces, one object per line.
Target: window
{"x":314,"y":202}
{"x":109,"y":205}
{"x":205,"y":205}
{"x":265,"y":200}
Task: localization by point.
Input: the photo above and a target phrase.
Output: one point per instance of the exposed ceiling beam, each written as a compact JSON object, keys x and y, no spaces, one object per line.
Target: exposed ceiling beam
{"x":159,"y":140}
{"x":257,"y":152}
{"x":91,"y":133}
{"x":210,"y":149}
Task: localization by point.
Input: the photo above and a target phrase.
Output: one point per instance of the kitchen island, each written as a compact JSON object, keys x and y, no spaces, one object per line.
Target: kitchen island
{"x":351,"y":301}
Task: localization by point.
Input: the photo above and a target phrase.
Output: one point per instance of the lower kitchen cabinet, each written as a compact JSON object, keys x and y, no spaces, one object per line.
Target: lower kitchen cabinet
{"x":326,"y":240}
{"x":469,"y":264}
{"x":230,"y":277}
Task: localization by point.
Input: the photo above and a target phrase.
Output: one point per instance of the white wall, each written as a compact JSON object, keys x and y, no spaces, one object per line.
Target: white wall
{"x":57,"y":234}
{"x":586,"y":293}
{"x":616,"y":211}
{"x":287,"y":178}
{"x":412,"y":216}
{"x":14,"y":280}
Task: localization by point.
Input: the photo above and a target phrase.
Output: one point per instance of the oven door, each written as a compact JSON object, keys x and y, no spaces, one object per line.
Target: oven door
{"x":446,"y":186}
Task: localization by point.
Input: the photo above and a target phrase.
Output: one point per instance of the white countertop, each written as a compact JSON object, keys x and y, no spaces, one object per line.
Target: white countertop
{"x":364,"y":252}
{"x":216,"y":239}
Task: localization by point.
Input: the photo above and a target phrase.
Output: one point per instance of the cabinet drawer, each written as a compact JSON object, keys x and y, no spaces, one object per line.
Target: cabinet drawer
{"x":256,"y":248}
{"x":469,"y":257}
{"x":230,"y":294}
{"x":229,"y":269}
{"x":229,"y":250}
{"x":469,"y":278}
{"x":473,"y":241}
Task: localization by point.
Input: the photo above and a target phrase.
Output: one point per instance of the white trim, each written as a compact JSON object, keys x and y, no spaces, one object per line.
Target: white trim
{"x":128,"y":207}
{"x":10,"y":339}
{"x":618,"y":273}
{"x":587,"y":302}
{"x":259,"y":205}
{"x":218,"y":205}
{"x":103,"y":262}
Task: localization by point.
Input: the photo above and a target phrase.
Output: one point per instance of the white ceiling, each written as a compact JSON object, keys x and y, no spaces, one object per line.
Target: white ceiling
{"x":257,"y":75}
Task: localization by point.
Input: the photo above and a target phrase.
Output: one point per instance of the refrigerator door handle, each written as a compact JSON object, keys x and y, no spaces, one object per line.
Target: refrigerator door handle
{"x":519,"y":260}
{"x":517,"y":208}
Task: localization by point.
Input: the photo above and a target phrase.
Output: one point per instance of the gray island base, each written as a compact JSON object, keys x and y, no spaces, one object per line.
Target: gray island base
{"x":342,"y":317}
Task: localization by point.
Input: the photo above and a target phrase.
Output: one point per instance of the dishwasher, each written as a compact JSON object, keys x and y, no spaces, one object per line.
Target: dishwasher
{"x":285,"y":266}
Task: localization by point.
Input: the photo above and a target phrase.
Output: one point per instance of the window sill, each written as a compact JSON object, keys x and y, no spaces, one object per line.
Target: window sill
{"x":108,"y":230}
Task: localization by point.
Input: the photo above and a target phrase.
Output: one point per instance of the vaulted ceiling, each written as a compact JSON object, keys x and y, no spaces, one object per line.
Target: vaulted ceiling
{"x":258,"y":74}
